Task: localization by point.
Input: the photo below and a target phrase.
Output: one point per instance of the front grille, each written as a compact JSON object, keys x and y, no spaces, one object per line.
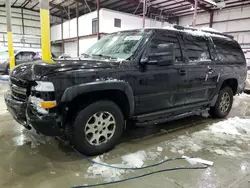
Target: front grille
{"x":18,"y":82}
{"x":18,"y":89}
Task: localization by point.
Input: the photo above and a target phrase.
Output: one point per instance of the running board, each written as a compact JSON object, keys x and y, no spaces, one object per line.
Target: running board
{"x":170,"y":118}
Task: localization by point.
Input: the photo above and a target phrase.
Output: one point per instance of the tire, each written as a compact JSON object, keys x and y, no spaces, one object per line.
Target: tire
{"x":7,"y":70}
{"x":103,"y":120}
{"x":220,"y":110}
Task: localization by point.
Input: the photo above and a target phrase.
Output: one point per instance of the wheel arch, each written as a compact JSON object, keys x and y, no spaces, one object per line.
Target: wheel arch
{"x":119,"y":92}
{"x":230,"y":82}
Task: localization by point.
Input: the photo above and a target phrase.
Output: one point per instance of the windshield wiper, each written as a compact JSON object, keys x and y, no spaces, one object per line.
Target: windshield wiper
{"x":85,"y":55}
{"x":104,"y":56}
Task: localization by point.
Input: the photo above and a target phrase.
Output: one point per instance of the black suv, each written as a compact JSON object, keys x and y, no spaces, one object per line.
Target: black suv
{"x":146,"y":76}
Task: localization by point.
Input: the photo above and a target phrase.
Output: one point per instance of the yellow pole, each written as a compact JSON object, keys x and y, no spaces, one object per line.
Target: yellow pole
{"x":45,"y":31}
{"x":9,"y":33}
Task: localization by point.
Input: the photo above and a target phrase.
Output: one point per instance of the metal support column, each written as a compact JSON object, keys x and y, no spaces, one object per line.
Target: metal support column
{"x":77,"y":27}
{"x":9,"y":32}
{"x":62,"y":47}
{"x":144,"y":13}
{"x":211,"y":19}
{"x":23,"y":32}
{"x":22,"y":22}
{"x":195,"y":12}
{"x":45,"y":31}
{"x":98,"y":18}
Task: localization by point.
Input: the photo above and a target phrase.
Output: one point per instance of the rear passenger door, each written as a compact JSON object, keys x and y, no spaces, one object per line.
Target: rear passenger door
{"x":200,"y":69}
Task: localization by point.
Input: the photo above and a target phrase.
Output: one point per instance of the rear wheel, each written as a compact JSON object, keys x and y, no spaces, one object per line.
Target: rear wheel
{"x":223,"y":104}
{"x":98,"y":127}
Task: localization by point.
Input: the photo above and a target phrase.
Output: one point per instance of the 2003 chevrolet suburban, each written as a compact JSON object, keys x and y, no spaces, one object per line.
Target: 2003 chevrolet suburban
{"x":147,"y":76}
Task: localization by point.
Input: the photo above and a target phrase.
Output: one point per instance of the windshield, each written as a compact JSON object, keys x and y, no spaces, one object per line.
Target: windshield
{"x":116,"y":46}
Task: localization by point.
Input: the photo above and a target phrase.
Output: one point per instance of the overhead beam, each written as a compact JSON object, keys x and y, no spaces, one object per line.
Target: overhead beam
{"x":152,"y":9}
{"x":14,"y":3}
{"x":26,"y":4}
{"x":200,"y":5}
{"x":24,"y":8}
{"x":93,"y":5}
{"x":34,"y":5}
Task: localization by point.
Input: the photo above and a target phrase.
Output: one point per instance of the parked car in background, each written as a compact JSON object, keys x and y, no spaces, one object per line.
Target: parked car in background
{"x":21,"y":56}
{"x":145,"y":76}
{"x":64,"y":56}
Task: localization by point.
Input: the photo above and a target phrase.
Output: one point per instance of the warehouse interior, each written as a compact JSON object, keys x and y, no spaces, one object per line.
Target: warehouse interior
{"x":194,"y":151}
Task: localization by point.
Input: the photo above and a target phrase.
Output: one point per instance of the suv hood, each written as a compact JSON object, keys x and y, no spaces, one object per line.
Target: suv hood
{"x":35,"y":70}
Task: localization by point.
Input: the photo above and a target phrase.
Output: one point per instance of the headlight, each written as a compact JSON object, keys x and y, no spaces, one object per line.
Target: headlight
{"x":43,"y":86}
{"x":42,"y":105}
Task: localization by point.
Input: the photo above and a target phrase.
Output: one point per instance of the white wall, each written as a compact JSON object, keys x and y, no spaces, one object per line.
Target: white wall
{"x":128,"y":21}
{"x":71,"y":48}
{"x":234,"y":21}
{"x":84,"y":44}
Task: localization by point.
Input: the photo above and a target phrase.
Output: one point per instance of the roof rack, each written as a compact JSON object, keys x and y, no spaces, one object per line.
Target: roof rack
{"x":178,"y":27}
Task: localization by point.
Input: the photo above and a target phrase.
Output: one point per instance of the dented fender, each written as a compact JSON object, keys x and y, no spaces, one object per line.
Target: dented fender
{"x":102,"y":85}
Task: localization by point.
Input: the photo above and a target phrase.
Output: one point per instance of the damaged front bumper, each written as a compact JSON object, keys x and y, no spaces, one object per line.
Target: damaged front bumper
{"x":26,"y":115}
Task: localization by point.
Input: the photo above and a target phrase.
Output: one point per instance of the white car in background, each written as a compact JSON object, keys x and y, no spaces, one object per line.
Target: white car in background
{"x":21,"y":56}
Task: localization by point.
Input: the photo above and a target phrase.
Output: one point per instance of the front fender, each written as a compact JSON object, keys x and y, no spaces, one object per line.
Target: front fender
{"x":74,"y":91}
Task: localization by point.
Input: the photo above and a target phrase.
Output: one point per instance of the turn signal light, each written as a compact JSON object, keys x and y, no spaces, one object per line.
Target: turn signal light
{"x":48,"y":104}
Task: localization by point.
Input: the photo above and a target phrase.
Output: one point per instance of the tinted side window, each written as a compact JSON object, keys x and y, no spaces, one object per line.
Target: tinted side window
{"x":25,"y":55}
{"x":228,"y":50}
{"x":196,"y":48}
{"x":165,"y":38}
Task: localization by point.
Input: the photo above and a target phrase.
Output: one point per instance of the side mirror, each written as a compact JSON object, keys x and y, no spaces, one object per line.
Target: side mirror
{"x":164,"y":55}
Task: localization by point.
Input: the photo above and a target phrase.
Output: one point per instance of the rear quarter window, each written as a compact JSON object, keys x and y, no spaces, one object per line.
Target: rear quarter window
{"x":228,"y":51}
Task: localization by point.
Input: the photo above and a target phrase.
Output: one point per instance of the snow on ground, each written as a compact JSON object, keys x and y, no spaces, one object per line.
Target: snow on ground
{"x":226,"y":137}
{"x":137,"y":159}
{"x":241,"y":104}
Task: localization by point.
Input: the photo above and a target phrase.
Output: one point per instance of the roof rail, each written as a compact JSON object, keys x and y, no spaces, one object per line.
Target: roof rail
{"x":178,"y":27}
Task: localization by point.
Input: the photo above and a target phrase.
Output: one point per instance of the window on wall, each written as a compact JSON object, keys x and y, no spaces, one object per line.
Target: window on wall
{"x":196,"y":48}
{"x":117,"y":22}
{"x":94,"y":26}
{"x":163,"y":38}
{"x":228,"y":50}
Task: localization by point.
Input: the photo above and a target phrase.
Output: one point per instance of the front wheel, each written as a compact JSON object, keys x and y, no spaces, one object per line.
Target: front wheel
{"x":223,"y":104}
{"x":98,"y":127}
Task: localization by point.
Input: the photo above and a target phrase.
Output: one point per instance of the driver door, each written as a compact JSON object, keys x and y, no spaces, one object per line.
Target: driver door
{"x":161,"y":87}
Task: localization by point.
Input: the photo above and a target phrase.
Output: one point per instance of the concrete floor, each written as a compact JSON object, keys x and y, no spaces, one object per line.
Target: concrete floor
{"x":55,"y":165}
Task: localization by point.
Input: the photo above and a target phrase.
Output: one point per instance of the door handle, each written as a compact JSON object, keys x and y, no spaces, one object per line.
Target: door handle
{"x":182,"y":72}
{"x":210,"y":70}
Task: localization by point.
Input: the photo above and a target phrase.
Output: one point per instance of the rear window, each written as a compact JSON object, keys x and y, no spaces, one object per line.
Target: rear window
{"x":228,"y":51}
